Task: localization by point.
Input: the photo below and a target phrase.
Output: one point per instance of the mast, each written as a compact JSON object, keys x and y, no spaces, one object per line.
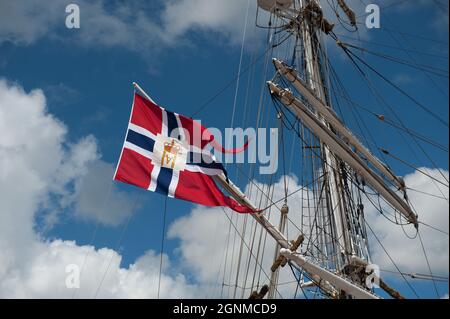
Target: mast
{"x":275,"y":274}
{"x":335,"y":200}
{"x":338,"y":226}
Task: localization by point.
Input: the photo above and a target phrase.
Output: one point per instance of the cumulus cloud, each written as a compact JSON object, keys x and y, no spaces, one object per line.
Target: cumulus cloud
{"x":23,"y":22}
{"x":40,"y":172}
{"x":211,"y":250}
{"x":407,"y":253}
{"x":96,"y":199}
{"x":135,"y":26}
{"x":210,"y":247}
{"x":226,"y":17}
{"x":48,"y":268}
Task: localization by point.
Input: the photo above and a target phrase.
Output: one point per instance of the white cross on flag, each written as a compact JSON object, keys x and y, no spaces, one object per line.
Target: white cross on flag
{"x":162,"y":154}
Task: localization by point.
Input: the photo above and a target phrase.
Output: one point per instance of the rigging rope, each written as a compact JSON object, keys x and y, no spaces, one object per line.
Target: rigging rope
{"x":380,"y":98}
{"x":238,"y":78}
{"x":435,"y":228}
{"x":248,"y":248}
{"x":392,"y":260}
{"x":94,"y":233}
{"x":419,"y":276}
{"x":412,"y":58}
{"x":230,"y":83}
{"x":378,"y":44}
{"x":428,"y":265}
{"x":399,"y":89}
{"x":424,"y":68}
{"x":240,"y":65}
{"x":380,"y":117}
{"x":162,"y":246}
{"x":119,"y":242}
{"x":444,"y":43}
{"x":414,"y":167}
{"x":298,"y":281}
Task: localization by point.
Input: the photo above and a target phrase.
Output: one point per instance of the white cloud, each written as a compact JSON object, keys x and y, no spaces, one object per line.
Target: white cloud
{"x":23,"y":22}
{"x":226,"y":17}
{"x":96,"y":199}
{"x":40,"y":171}
{"x":132,"y":25}
{"x":205,"y":235}
{"x":408,"y":253}
{"x":44,"y":275}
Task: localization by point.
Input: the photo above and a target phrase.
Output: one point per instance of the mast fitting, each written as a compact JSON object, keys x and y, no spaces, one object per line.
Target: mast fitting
{"x":313,"y":12}
{"x":281,"y":260}
{"x":261,"y":294}
{"x":348,"y":12}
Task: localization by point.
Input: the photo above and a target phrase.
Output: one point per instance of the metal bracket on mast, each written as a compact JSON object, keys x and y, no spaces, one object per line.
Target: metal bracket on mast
{"x":281,"y":260}
{"x":261,"y":294}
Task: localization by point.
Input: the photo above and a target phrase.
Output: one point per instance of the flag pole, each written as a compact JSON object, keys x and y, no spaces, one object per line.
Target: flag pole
{"x":142,"y":92}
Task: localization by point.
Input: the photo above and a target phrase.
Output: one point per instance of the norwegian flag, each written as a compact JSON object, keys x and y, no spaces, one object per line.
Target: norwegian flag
{"x":162,"y":153}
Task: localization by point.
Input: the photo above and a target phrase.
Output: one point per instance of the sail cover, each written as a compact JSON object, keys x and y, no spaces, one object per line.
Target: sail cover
{"x":164,"y":152}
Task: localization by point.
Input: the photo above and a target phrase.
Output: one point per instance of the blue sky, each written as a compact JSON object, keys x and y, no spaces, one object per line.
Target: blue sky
{"x":86,"y":78}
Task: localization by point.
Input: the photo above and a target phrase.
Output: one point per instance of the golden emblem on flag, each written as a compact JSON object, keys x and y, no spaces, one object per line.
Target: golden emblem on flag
{"x":170,"y":153}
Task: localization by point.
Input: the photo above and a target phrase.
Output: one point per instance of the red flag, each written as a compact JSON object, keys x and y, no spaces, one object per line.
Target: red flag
{"x":163,"y":152}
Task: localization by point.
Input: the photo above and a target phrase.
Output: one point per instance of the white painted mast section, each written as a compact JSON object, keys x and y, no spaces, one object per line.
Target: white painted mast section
{"x":330,"y":166}
{"x":275,"y":274}
{"x":241,"y":198}
{"x":292,"y":76}
{"x":323,"y":276}
{"x":342,"y":150}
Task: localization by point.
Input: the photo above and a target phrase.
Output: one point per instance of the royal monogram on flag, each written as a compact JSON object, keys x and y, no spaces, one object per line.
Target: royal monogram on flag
{"x":162,"y":153}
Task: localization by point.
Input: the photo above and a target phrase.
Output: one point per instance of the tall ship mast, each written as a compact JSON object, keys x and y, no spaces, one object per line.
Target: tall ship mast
{"x":330,"y":251}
